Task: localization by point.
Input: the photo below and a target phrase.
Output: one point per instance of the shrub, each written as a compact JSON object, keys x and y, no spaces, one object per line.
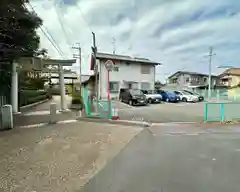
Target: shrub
{"x":77,"y":100}
{"x":27,"y":97}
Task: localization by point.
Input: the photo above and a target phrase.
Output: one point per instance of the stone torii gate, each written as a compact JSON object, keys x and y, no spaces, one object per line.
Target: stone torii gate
{"x":40,"y":65}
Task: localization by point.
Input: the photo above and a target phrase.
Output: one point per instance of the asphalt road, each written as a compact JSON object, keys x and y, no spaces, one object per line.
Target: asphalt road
{"x":175,"y":158}
{"x":164,"y":112}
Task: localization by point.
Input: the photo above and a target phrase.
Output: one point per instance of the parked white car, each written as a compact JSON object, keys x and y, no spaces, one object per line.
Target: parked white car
{"x":152,"y":96}
{"x":186,"y":97}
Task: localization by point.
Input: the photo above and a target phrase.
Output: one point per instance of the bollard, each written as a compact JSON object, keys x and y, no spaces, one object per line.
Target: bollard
{"x":218,"y":95}
{"x":115,"y":114}
{"x":79,"y":113}
{"x":6,"y":117}
{"x":53,"y":113}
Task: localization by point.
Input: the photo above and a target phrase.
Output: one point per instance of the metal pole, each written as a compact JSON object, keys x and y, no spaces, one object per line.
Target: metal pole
{"x":210,"y":71}
{"x":114,"y":46}
{"x":96,"y":70}
{"x":80,"y":68}
{"x":79,"y":56}
{"x":14,"y":88}
{"x":108,"y":88}
{"x":62,"y":88}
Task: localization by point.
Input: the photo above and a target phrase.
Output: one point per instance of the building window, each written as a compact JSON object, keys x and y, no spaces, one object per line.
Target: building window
{"x":133,"y":85}
{"x":114,"y":86}
{"x":145,"y":69}
{"x":197,"y":79}
{"x":187,"y":80}
{"x":173,"y":81}
{"x":145,"y":86}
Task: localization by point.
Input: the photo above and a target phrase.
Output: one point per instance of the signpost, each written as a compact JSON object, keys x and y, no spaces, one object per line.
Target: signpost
{"x":109,"y":66}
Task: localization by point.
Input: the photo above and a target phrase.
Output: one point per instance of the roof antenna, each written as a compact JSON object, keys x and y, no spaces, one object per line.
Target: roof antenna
{"x":114,"y":45}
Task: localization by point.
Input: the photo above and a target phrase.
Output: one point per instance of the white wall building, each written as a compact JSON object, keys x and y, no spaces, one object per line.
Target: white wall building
{"x":128,"y":72}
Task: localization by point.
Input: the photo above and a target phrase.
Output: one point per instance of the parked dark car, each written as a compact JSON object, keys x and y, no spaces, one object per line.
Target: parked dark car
{"x":169,"y":96}
{"x":200,"y":97}
{"x":132,"y":97}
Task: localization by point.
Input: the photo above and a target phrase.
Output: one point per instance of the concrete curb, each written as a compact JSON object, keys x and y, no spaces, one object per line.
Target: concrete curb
{"x":115,"y":122}
{"x":92,"y":120}
{"x":34,"y":104}
{"x":46,"y":124}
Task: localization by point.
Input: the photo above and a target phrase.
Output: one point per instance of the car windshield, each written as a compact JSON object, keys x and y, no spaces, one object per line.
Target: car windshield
{"x":191,"y":93}
{"x":151,"y":92}
{"x":187,"y":93}
{"x":136,"y":92}
{"x":170,"y":93}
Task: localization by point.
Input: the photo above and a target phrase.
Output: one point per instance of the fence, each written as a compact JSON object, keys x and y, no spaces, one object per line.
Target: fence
{"x":3,"y":100}
{"x":221,"y":94}
{"x":91,"y":105}
{"x":221,"y":111}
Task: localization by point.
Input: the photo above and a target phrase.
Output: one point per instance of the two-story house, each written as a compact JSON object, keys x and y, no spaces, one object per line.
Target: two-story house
{"x":185,"y":79}
{"x":128,"y":72}
{"x":230,"y":77}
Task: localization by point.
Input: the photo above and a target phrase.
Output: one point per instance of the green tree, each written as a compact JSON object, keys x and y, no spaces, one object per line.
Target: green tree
{"x":18,"y":36}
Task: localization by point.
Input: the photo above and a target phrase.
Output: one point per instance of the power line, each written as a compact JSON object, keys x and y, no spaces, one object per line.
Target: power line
{"x":53,"y":44}
{"x":60,"y":19}
{"x":79,"y":56}
{"x":48,"y":35}
{"x":84,"y":18}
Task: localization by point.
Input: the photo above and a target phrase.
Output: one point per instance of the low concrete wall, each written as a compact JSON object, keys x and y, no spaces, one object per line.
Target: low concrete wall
{"x":23,"y":120}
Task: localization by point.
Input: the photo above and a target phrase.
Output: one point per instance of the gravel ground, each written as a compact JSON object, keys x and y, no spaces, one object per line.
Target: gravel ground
{"x":58,"y":158}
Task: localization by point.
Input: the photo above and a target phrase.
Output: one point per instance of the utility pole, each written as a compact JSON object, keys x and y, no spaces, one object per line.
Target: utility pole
{"x":78,"y":56}
{"x":210,"y":71}
{"x":114,"y":45}
{"x":94,"y":50}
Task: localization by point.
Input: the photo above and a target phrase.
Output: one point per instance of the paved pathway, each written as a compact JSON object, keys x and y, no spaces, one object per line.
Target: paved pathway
{"x":40,"y":113}
{"x":175,"y":158}
{"x":58,"y":158}
{"x":45,"y":106}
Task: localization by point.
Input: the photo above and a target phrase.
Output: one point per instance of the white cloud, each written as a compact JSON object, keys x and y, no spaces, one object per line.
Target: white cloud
{"x":177,"y":33}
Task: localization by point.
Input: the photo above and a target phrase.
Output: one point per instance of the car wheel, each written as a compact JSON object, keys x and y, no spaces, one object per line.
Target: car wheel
{"x":149,"y":100}
{"x":167,"y":100}
{"x":120,"y":99}
{"x":184,"y":99}
{"x":130,"y":102}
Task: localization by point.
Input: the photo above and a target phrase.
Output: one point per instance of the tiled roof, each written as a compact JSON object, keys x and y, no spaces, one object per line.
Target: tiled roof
{"x":189,"y":73}
{"x":125,"y":58}
{"x":231,"y":71}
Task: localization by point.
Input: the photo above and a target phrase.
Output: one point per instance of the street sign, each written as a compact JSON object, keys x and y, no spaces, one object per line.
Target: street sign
{"x":109,"y":65}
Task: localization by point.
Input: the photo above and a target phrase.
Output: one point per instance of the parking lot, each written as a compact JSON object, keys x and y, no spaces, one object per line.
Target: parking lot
{"x":162,"y":112}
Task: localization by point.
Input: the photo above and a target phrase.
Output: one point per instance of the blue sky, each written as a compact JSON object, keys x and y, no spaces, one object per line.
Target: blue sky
{"x":177,"y":33}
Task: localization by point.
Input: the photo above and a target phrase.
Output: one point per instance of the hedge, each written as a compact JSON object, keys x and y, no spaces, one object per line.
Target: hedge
{"x":27,"y":97}
{"x":77,"y":99}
